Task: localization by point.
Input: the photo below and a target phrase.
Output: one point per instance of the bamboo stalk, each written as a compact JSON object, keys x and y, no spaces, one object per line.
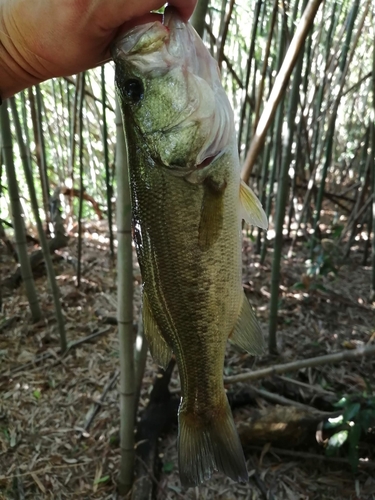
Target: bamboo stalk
{"x":276,"y":129}
{"x":279,"y":86}
{"x":81,"y":99}
{"x":17,"y":213}
{"x":140,"y":358}
{"x":282,"y":196}
{"x":125,"y":311}
{"x":199,"y":16}
{"x":265,"y":64}
{"x":37,"y":130}
{"x":106,"y":162}
{"x":344,"y":66}
{"x":224,"y":34}
{"x":248,"y":71}
{"x":25,"y":157}
{"x":73,"y":130}
{"x":372,"y":153}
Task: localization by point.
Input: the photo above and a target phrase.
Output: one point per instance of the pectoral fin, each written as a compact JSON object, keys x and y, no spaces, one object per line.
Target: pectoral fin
{"x":160,"y":350}
{"x":247,"y":333}
{"x":252,"y":210}
{"x":211,"y":221}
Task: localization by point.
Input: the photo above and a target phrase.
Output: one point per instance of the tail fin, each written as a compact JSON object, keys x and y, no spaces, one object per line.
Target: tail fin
{"x":211,"y":444}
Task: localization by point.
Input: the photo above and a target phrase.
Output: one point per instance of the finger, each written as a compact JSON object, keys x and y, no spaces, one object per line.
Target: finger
{"x":185,"y":7}
{"x":119,"y":12}
{"x":136,"y":21}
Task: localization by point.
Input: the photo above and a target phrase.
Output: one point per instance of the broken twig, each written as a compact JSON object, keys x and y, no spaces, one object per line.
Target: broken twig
{"x":302,"y":363}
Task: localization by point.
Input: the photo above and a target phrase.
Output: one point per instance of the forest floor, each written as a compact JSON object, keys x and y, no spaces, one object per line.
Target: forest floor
{"x":48,"y":450}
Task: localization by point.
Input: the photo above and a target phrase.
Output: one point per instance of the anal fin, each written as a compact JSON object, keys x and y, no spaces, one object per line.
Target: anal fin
{"x":247,"y":333}
{"x":160,"y":350}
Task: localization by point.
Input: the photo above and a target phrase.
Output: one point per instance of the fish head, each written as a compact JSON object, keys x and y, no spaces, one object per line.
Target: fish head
{"x":171,"y":95}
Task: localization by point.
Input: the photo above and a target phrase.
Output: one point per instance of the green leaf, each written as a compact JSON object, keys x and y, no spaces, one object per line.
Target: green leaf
{"x":343,"y":402}
{"x":336,"y":233}
{"x":336,"y":441}
{"x":37,"y":394}
{"x":368,"y":391}
{"x":333,"y":422}
{"x":351,"y":411}
{"x":168,"y":467}
{"x":103,"y":479}
{"x":367,"y":419}
{"x":298,"y":286}
{"x":354,"y":435}
{"x":114,"y":440}
{"x":318,"y":286}
{"x":353,"y":440}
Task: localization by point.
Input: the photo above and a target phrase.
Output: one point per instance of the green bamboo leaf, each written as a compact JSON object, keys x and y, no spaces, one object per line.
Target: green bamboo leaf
{"x":353,"y":440}
{"x":336,"y":441}
{"x":168,"y":467}
{"x":342,"y":403}
{"x":103,"y":479}
{"x":37,"y":394}
{"x":334,"y":422}
{"x":367,"y":418}
{"x":351,"y":411}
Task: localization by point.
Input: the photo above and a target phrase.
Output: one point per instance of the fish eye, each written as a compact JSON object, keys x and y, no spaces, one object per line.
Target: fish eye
{"x":134,"y":89}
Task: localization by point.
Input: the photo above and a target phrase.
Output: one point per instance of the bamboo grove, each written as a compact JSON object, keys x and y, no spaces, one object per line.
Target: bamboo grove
{"x":62,"y":162}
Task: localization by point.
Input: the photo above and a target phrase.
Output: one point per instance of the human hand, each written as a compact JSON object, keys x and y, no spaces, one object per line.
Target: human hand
{"x":41,"y":39}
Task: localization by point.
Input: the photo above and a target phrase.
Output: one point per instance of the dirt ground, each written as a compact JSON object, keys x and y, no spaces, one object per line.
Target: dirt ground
{"x":46,"y":449}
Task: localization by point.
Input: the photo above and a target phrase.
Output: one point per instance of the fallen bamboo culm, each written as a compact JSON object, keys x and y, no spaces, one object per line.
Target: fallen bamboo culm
{"x":302,"y":363}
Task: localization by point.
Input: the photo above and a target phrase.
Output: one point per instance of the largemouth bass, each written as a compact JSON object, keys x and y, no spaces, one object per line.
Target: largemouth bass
{"x":188,"y":203}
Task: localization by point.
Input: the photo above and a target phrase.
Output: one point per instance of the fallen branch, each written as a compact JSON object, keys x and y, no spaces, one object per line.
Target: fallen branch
{"x":302,"y":363}
{"x":77,"y":193}
{"x":310,"y":387}
{"x":294,"y":390}
{"x":343,"y":300}
{"x":280,"y":425}
{"x":55,"y":354}
{"x":281,"y":400}
{"x":312,"y":456}
{"x":105,"y":318}
{"x":96,"y":406}
{"x":36,"y":258}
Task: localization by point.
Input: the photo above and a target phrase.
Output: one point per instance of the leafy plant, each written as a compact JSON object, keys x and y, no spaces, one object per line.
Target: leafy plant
{"x":357,"y":418}
{"x":37,"y":394}
{"x":321,"y":264}
{"x":168,"y":467}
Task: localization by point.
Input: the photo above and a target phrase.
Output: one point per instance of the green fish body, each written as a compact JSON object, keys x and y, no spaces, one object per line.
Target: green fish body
{"x":188,"y":203}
